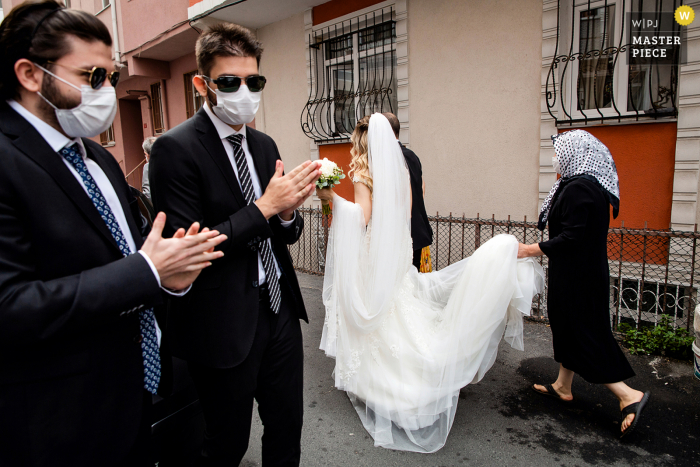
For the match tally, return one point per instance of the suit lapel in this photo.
(209, 138)
(117, 182)
(261, 160)
(31, 143)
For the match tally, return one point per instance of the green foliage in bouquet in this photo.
(660, 340)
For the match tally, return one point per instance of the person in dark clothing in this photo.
(239, 328)
(421, 232)
(579, 279)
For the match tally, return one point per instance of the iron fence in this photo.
(652, 272)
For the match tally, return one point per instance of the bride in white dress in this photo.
(405, 343)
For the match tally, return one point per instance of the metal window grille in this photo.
(353, 74)
(593, 76)
(193, 101)
(107, 136)
(157, 109)
(655, 267)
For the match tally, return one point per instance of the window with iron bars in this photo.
(157, 109)
(353, 73)
(594, 77)
(107, 137)
(193, 101)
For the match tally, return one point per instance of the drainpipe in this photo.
(115, 32)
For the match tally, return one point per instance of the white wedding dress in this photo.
(405, 343)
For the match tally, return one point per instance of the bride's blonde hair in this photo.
(359, 165)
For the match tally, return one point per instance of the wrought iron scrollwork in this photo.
(568, 109)
(352, 72)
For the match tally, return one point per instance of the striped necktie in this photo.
(147, 319)
(264, 247)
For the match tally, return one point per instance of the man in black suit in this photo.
(77, 281)
(421, 232)
(239, 326)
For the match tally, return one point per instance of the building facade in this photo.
(478, 86)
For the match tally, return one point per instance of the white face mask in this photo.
(95, 114)
(555, 164)
(236, 108)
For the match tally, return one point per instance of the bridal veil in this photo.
(405, 343)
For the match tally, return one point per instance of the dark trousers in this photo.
(416, 258)
(141, 454)
(272, 374)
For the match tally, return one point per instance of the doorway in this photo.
(132, 138)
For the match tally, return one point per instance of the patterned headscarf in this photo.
(582, 155)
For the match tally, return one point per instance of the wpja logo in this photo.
(684, 15)
(657, 36)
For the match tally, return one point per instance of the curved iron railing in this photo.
(352, 70)
(562, 111)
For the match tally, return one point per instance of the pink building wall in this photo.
(143, 20)
(129, 126)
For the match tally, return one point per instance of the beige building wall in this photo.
(284, 65)
(474, 93)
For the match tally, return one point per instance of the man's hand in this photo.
(285, 193)
(180, 259)
(185, 277)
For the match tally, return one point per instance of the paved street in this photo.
(499, 421)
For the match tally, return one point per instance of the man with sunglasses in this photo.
(238, 328)
(79, 344)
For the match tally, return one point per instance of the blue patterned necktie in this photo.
(268, 259)
(147, 321)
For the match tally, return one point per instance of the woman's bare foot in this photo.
(631, 398)
(563, 392)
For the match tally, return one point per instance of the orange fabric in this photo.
(194, 2)
(426, 261)
(337, 8)
(340, 154)
(645, 158)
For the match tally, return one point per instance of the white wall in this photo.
(284, 65)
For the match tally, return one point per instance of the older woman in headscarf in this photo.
(578, 213)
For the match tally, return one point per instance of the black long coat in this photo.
(579, 284)
(421, 232)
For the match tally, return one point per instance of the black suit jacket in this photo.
(421, 232)
(71, 373)
(192, 180)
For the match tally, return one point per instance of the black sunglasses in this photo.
(233, 83)
(97, 75)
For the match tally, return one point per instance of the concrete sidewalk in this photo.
(500, 421)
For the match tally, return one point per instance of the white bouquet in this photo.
(331, 175)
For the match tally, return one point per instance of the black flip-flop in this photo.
(550, 392)
(636, 409)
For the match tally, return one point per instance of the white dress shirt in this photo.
(224, 131)
(58, 141)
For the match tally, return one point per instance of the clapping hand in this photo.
(180, 259)
(285, 193)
